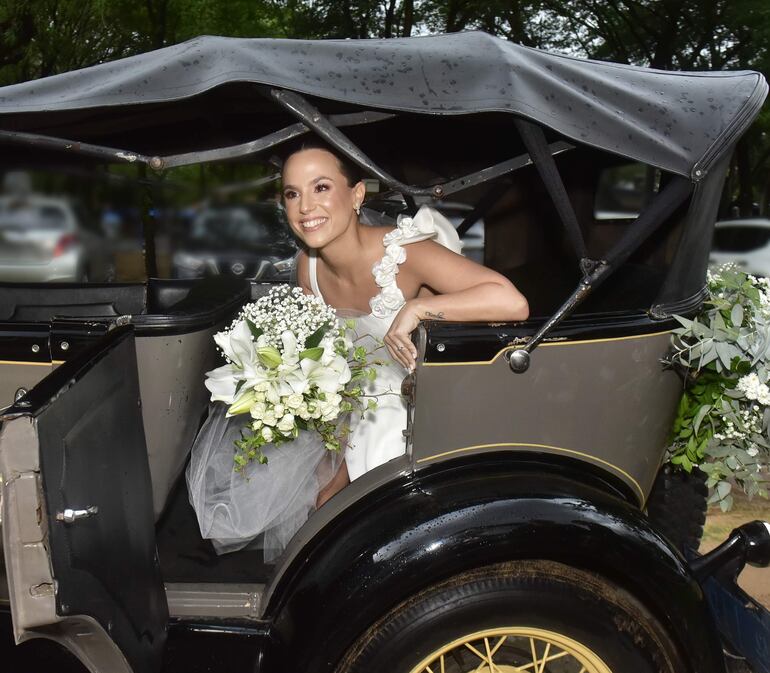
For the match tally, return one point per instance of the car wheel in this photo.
(522, 616)
(677, 507)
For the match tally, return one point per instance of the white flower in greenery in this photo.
(269, 418)
(286, 424)
(267, 434)
(753, 389)
(293, 401)
(258, 410)
(222, 383)
(329, 378)
(752, 451)
(237, 345)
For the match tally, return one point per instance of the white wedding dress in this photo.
(266, 504)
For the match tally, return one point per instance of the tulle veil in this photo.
(265, 504)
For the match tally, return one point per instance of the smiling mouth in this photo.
(312, 225)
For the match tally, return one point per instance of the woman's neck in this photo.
(345, 254)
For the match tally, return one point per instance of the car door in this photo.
(77, 517)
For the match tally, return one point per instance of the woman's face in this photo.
(319, 203)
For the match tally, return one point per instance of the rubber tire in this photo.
(677, 507)
(541, 594)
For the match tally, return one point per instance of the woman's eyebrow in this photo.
(315, 180)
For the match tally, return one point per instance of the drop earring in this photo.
(357, 208)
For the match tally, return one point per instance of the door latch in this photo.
(72, 515)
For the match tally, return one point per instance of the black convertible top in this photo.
(680, 122)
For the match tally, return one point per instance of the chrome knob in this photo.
(73, 515)
(518, 361)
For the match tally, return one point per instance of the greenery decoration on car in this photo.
(723, 416)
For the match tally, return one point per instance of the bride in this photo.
(390, 279)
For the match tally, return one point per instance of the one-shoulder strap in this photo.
(312, 269)
(427, 223)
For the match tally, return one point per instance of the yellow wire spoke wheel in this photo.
(510, 650)
(524, 616)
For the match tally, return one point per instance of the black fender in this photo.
(427, 526)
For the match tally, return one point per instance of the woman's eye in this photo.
(321, 187)
(289, 194)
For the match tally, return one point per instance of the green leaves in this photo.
(256, 332)
(717, 427)
(315, 338)
(312, 353)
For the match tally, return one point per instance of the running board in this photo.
(195, 600)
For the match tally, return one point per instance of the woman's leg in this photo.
(338, 482)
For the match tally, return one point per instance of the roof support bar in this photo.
(271, 140)
(72, 146)
(482, 207)
(535, 142)
(313, 118)
(159, 163)
(653, 216)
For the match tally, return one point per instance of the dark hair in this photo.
(353, 174)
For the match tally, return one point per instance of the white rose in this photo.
(286, 424)
(303, 412)
(294, 401)
(269, 418)
(279, 410)
(267, 434)
(392, 297)
(256, 425)
(258, 409)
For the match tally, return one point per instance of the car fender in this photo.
(426, 527)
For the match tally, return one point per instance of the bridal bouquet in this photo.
(723, 423)
(291, 366)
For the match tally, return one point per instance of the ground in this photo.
(754, 581)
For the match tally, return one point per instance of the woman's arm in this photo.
(466, 291)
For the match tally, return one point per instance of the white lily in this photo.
(237, 345)
(222, 382)
(329, 378)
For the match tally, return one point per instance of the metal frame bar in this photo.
(159, 163)
(310, 119)
(654, 214)
(313, 118)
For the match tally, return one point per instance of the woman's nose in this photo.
(305, 203)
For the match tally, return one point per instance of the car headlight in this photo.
(284, 265)
(188, 261)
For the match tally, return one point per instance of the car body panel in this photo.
(467, 513)
(603, 382)
(78, 525)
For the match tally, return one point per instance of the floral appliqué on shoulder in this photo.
(408, 230)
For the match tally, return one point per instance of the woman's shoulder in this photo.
(302, 270)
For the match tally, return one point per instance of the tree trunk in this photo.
(406, 29)
(390, 12)
(745, 191)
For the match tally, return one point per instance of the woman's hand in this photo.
(399, 336)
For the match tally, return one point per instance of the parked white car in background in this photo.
(44, 239)
(745, 242)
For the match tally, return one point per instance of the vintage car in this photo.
(521, 530)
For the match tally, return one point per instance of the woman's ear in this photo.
(359, 192)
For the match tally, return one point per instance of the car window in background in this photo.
(741, 238)
(624, 190)
(250, 240)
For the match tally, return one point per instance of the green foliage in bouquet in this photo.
(722, 422)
